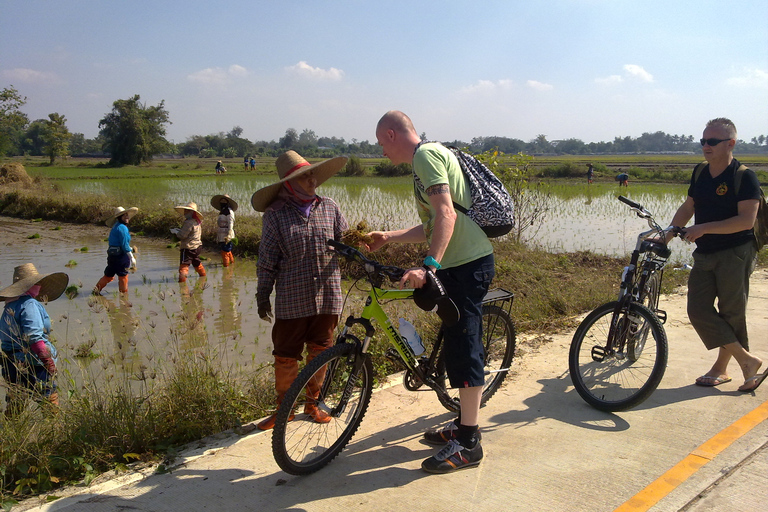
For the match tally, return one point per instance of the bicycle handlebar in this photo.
(630, 203)
(645, 214)
(371, 266)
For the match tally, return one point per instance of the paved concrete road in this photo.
(546, 450)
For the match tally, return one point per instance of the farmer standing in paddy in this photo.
(294, 260)
(120, 258)
(190, 243)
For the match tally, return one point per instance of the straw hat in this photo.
(110, 221)
(189, 206)
(292, 165)
(26, 276)
(216, 202)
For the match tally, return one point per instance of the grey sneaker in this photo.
(441, 436)
(453, 456)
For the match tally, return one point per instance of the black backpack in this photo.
(761, 220)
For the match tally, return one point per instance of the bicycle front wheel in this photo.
(302, 446)
(617, 359)
(499, 343)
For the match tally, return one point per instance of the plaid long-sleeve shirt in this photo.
(293, 260)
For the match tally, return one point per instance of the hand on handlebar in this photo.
(413, 278)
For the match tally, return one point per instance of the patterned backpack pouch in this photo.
(492, 207)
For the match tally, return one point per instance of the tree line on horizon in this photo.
(134, 132)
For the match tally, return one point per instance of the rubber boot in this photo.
(200, 270)
(122, 283)
(231, 258)
(101, 284)
(286, 370)
(183, 271)
(313, 387)
(224, 258)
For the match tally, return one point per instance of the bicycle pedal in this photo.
(661, 315)
(598, 353)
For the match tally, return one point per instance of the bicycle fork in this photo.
(357, 366)
(623, 325)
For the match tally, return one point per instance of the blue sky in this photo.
(588, 69)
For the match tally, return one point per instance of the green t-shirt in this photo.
(434, 164)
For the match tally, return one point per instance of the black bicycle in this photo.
(344, 373)
(619, 352)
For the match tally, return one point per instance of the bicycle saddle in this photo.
(432, 296)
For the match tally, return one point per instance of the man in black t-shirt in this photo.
(724, 257)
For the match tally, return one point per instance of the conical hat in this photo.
(292, 165)
(26, 276)
(216, 202)
(110, 221)
(189, 206)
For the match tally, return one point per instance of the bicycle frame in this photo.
(374, 311)
(634, 277)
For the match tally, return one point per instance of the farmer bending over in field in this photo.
(28, 356)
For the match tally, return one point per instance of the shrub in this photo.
(388, 169)
(354, 167)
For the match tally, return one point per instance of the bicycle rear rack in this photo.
(499, 296)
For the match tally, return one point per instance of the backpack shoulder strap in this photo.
(697, 171)
(737, 178)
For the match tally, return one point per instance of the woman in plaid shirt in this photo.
(293, 260)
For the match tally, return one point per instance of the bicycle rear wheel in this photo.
(611, 378)
(499, 342)
(302, 446)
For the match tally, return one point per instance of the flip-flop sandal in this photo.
(709, 381)
(758, 379)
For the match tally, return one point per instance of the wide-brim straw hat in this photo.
(292, 165)
(118, 212)
(26, 276)
(216, 202)
(189, 206)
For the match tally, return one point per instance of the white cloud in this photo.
(485, 86)
(539, 86)
(305, 70)
(609, 80)
(639, 72)
(217, 76)
(30, 76)
(630, 70)
(752, 77)
(236, 70)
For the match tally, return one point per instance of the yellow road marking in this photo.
(678, 474)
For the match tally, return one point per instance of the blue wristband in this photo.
(431, 262)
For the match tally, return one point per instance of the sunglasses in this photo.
(712, 142)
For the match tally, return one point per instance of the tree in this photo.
(12, 119)
(32, 141)
(290, 139)
(307, 139)
(134, 132)
(56, 136)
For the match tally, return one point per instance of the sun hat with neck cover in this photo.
(291, 165)
(26, 276)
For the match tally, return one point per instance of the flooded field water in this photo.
(135, 334)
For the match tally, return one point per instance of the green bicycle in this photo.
(344, 373)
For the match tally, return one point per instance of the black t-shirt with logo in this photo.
(715, 199)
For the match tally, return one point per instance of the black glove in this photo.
(265, 312)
